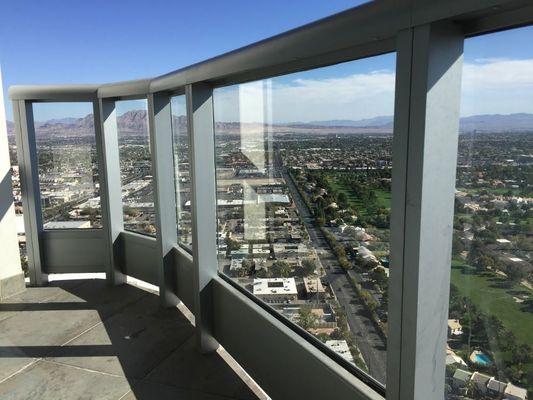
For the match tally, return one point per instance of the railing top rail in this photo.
(67, 92)
(132, 88)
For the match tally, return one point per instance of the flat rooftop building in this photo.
(341, 347)
(313, 286)
(67, 224)
(275, 289)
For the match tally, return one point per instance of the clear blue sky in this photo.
(60, 41)
(52, 41)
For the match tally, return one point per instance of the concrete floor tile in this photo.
(130, 343)
(27, 299)
(32, 334)
(45, 328)
(9, 364)
(101, 297)
(85, 340)
(35, 322)
(50, 381)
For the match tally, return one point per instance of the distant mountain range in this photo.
(498, 123)
(134, 122)
(376, 122)
(484, 123)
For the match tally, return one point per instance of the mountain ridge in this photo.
(135, 122)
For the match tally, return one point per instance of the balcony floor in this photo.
(83, 340)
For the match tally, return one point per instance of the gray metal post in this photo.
(110, 186)
(160, 126)
(204, 221)
(29, 181)
(425, 146)
(398, 186)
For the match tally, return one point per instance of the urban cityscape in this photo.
(304, 200)
(303, 225)
(308, 232)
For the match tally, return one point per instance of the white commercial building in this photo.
(341, 348)
(275, 289)
(67, 225)
(287, 249)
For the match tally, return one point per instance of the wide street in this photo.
(369, 341)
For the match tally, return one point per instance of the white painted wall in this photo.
(9, 250)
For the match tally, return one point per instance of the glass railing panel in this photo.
(182, 171)
(303, 169)
(136, 166)
(490, 326)
(67, 165)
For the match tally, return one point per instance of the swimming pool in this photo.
(482, 359)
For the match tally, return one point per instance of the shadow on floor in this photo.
(83, 340)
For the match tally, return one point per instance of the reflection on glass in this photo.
(303, 168)
(490, 326)
(182, 175)
(135, 166)
(68, 171)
